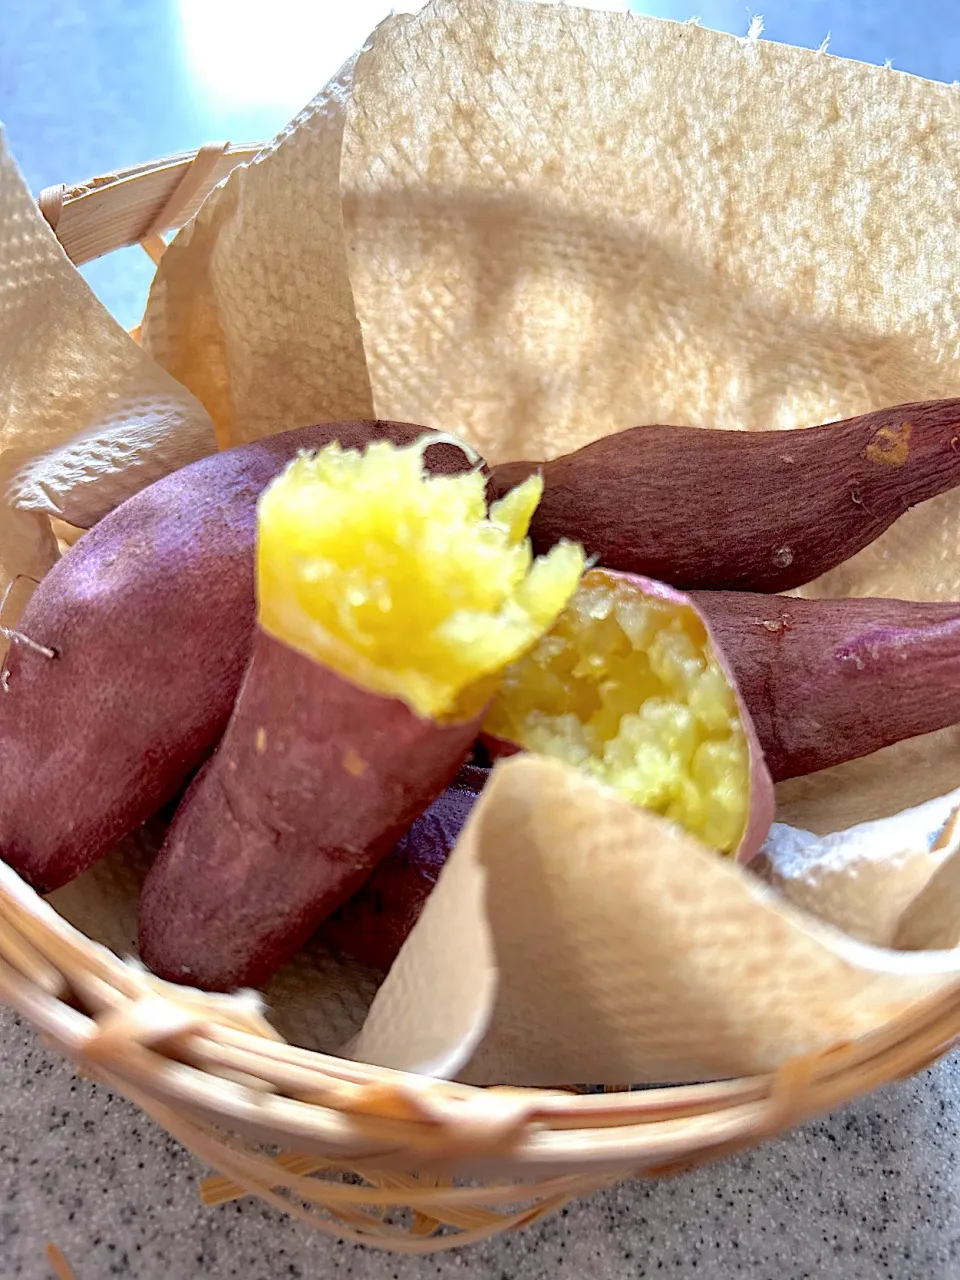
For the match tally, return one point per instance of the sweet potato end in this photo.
(401, 581)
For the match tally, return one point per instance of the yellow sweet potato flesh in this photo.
(400, 580)
(626, 686)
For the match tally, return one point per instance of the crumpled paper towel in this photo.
(87, 417)
(865, 878)
(623, 950)
(252, 308)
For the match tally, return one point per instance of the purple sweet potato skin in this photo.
(373, 925)
(831, 680)
(151, 616)
(751, 511)
(313, 783)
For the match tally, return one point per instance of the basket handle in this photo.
(135, 205)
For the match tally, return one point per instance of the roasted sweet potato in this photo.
(388, 603)
(149, 618)
(830, 680)
(625, 685)
(630, 686)
(753, 511)
(373, 925)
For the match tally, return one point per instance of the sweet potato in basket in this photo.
(389, 601)
(751, 511)
(138, 639)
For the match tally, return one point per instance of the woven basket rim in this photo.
(162, 1040)
(204, 1064)
(138, 203)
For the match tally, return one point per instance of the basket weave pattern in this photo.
(436, 1164)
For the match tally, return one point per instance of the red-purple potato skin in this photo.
(373, 925)
(150, 617)
(313, 783)
(742, 510)
(831, 680)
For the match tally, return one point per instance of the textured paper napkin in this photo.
(564, 222)
(932, 919)
(624, 951)
(864, 878)
(532, 226)
(252, 307)
(87, 417)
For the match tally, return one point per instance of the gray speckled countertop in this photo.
(871, 1193)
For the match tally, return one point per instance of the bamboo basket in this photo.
(397, 1161)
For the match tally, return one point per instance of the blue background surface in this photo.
(87, 86)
